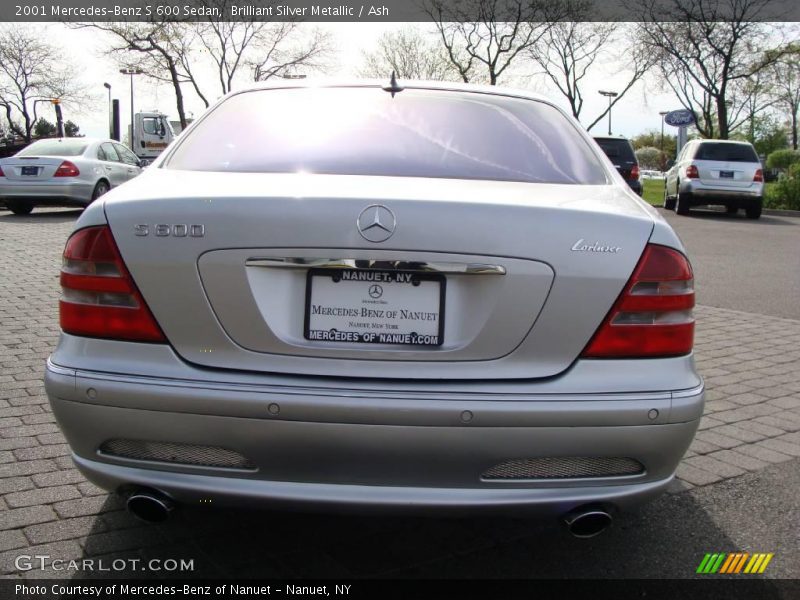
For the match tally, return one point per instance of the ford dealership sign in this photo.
(679, 118)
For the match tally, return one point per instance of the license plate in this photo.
(726, 174)
(30, 171)
(375, 307)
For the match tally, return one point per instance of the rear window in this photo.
(55, 147)
(617, 149)
(365, 131)
(726, 152)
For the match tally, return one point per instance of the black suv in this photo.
(620, 151)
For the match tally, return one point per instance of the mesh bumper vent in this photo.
(573, 467)
(185, 454)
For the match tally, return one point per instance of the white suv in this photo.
(716, 172)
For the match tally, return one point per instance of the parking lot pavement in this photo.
(743, 264)
(743, 462)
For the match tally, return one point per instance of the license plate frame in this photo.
(29, 171)
(726, 174)
(379, 338)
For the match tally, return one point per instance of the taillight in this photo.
(758, 177)
(635, 173)
(67, 169)
(1, 172)
(99, 297)
(653, 315)
(692, 172)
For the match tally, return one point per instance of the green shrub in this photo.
(783, 159)
(784, 193)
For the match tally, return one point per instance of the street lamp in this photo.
(609, 95)
(663, 114)
(108, 87)
(131, 72)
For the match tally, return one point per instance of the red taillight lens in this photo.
(67, 169)
(99, 297)
(1, 172)
(692, 172)
(635, 173)
(653, 315)
(758, 177)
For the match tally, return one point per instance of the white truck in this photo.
(152, 133)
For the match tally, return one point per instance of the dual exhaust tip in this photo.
(150, 506)
(154, 507)
(587, 522)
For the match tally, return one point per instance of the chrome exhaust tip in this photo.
(587, 522)
(150, 506)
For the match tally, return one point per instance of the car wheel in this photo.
(753, 210)
(669, 202)
(19, 208)
(101, 188)
(681, 201)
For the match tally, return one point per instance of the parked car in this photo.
(620, 152)
(418, 297)
(716, 172)
(64, 172)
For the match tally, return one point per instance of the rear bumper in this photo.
(704, 192)
(41, 193)
(335, 448)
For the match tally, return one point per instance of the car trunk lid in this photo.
(521, 274)
(30, 168)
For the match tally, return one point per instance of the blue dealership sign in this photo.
(679, 118)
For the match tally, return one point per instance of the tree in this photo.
(287, 48)
(31, 73)
(786, 86)
(569, 49)
(482, 38)
(652, 138)
(72, 130)
(649, 157)
(266, 48)
(706, 50)
(409, 54)
(43, 128)
(157, 47)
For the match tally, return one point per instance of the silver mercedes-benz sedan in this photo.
(370, 295)
(64, 172)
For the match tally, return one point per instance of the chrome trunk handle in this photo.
(447, 268)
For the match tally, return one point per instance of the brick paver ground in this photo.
(750, 363)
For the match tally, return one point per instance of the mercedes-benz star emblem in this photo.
(375, 291)
(376, 223)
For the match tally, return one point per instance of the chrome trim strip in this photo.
(447, 268)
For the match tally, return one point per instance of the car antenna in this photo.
(393, 86)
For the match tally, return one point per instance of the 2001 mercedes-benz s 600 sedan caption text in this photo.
(375, 295)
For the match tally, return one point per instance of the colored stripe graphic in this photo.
(734, 562)
(764, 564)
(715, 567)
(740, 564)
(703, 563)
(728, 562)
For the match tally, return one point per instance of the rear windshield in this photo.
(726, 152)
(54, 147)
(365, 131)
(617, 149)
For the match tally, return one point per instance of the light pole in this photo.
(108, 87)
(663, 114)
(609, 95)
(131, 72)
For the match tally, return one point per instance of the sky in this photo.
(87, 49)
